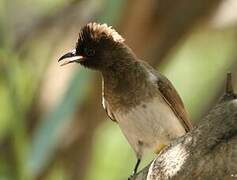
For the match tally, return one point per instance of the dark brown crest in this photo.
(92, 33)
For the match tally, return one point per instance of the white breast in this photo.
(152, 123)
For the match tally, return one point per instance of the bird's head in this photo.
(98, 46)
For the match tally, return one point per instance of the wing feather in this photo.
(107, 109)
(171, 96)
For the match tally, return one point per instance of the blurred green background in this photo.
(52, 124)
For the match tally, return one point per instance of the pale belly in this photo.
(149, 125)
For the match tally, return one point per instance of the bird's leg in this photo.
(135, 168)
(139, 157)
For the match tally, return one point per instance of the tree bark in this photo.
(209, 151)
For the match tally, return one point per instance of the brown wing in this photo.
(107, 109)
(171, 96)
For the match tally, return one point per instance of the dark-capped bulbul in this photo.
(142, 101)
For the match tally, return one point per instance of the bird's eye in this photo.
(89, 52)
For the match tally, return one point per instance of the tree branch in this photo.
(209, 151)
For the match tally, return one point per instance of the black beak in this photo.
(70, 57)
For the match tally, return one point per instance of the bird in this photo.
(142, 101)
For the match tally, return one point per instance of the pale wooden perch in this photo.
(209, 151)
